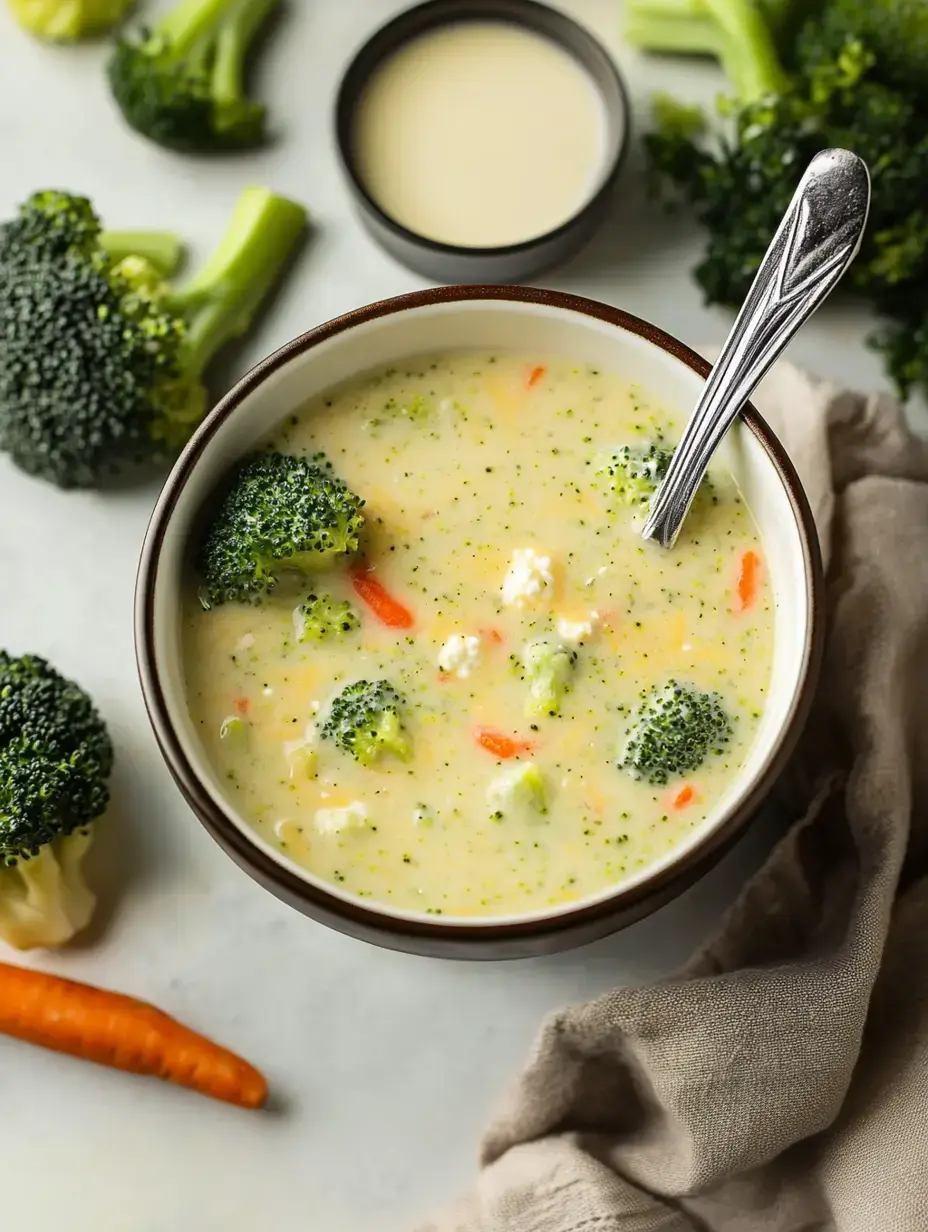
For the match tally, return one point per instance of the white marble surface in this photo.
(386, 1066)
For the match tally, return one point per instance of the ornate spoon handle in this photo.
(815, 243)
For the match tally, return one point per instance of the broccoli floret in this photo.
(280, 513)
(365, 720)
(673, 731)
(858, 80)
(181, 83)
(321, 617)
(548, 668)
(66, 21)
(519, 789)
(101, 359)
(55, 759)
(633, 473)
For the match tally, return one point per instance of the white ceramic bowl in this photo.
(478, 318)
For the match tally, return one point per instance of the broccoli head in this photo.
(66, 21)
(632, 473)
(280, 513)
(101, 359)
(320, 617)
(365, 720)
(548, 668)
(519, 789)
(181, 83)
(55, 759)
(673, 731)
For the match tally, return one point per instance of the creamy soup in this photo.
(500, 521)
(480, 134)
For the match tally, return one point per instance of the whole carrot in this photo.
(119, 1031)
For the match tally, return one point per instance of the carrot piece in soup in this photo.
(388, 609)
(499, 744)
(748, 580)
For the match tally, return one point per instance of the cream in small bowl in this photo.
(482, 138)
(486, 433)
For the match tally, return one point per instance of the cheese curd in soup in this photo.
(495, 698)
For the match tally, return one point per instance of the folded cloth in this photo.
(780, 1082)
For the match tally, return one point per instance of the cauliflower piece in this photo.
(352, 816)
(576, 632)
(528, 577)
(460, 654)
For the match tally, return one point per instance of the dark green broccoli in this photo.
(548, 668)
(181, 83)
(280, 513)
(101, 359)
(55, 759)
(320, 616)
(673, 731)
(858, 79)
(66, 21)
(365, 720)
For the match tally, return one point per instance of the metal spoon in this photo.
(815, 243)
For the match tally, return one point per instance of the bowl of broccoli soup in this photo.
(408, 657)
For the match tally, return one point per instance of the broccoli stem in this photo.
(221, 300)
(688, 36)
(232, 44)
(163, 250)
(190, 21)
(734, 31)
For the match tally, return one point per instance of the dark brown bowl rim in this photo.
(535, 16)
(219, 821)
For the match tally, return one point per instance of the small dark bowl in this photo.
(511, 262)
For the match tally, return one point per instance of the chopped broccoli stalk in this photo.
(519, 789)
(55, 759)
(101, 359)
(233, 731)
(67, 21)
(181, 84)
(549, 669)
(280, 513)
(365, 720)
(321, 617)
(673, 731)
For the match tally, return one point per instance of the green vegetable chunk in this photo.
(519, 789)
(365, 720)
(66, 21)
(321, 617)
(280, 513)
(55, 759)
(857, 77)
(102, 359)
(549, 669)
(633, 473)
(181, 84)
(674, 730)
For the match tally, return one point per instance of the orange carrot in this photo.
(242, 704)
(388, 610)
(501, 745)
(686, 795)
(494, 636)
(748, 579)
(535, 376)
(111, 1029)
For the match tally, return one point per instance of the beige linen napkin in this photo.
(780, 1083)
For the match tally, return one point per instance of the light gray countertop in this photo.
(387, 1066)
